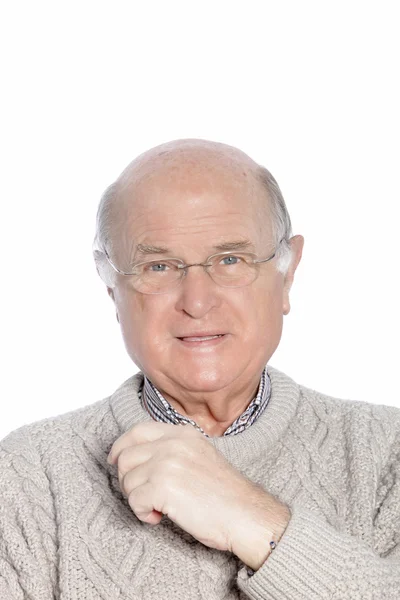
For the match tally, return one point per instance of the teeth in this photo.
(201, 339)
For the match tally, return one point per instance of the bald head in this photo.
(193, 156)
(194, 166)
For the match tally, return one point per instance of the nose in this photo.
(197, 293)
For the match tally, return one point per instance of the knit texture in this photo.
(67, 532)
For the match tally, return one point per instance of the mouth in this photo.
(202, 341)
(201, 338)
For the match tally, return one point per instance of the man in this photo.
(209, 474)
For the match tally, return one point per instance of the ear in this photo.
(296, 244)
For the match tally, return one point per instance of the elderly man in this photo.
(209, 474)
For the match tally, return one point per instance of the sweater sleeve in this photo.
(314, 561)
(28, 537)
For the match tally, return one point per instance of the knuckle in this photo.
(123, 460)
(133, 501)
(125, 484)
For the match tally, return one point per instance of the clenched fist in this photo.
(174, 470)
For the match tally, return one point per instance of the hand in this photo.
(174, 470)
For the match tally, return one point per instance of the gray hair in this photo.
(281, 227)
(281, 223)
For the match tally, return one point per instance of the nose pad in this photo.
(204, 269)
(195, 282)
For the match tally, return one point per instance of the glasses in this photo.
(227, 269)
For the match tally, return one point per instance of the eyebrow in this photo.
(234, 245)
(148, 249)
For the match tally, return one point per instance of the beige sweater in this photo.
(66, 531)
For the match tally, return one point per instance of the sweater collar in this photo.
(259, 438)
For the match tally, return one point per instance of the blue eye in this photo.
(158, 268)
(230, 260)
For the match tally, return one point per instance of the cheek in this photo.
(270, 308)
(261, 309)
(143, 321)
(269, 324)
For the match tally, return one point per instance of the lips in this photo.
(201, 338)
(202, 341)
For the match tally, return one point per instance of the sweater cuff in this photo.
(307, 564)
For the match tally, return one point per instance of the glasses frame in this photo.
(183, 266)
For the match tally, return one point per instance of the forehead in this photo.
(192, 203)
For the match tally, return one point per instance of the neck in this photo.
(213, 412)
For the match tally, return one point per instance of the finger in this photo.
(142, 503)
(132, 457)
(134, 478)
(139, 434)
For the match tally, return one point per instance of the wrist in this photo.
(254, 547)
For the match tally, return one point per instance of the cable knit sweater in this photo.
(67, 532)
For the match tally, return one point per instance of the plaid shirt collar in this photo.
(161, 410)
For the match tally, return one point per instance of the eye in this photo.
(158, 267)
(230, 260)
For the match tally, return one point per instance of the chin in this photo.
(210, 380)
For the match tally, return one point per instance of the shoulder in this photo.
(95, 421)
(355, 425)
(350, 409)
(34, 439)
(363, 427)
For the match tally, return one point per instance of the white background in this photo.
(308, 89)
